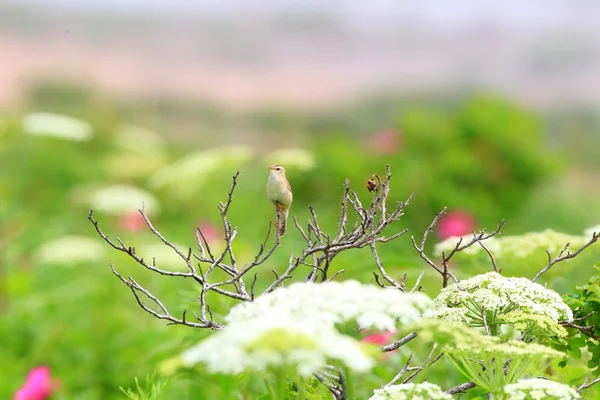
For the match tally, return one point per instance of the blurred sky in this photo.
(305, 53)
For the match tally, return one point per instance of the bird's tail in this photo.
(281, 222)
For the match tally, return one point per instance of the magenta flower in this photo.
(38, 385)
(456, 223)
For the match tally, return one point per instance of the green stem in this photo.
(347, 380)
(301, 393)
(280, 377)
(277, 385)
(493, 329)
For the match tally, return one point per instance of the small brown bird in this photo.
(279, 192)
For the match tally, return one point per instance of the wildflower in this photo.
(58, 126)
(332, 303)
(540, 389)
(38, 385)
(210, 232)
(119, 199)
(298, 158)
(192, 171)
(486, 360)
(133, 138)
(455, 224)
(411, 391)
(388, 141)
(519, 246)
(380, 338)
(497, 295)
(70, 250)
(275, 341)
(535, 325)
(132, 221)
(163, 256)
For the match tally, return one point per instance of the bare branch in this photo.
(444, 270)
(334, 275)
(586, 385)
(586, 330)
(399, 343)
(382, 270)
(560, 257)
(461, 388)
(417, 282)
(164, 313)
(492, 259)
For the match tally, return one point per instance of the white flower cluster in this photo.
(58, 126)
(296, 326)
(276, 341)
(192, 171)
(332, 303)
(292, 158)
(70, 251)
(540, 389)
(496, 293)
(118, 199)
(411, 391)
(520, 246)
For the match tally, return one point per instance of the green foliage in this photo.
(586, 310)
(482, 154)
(152, 390)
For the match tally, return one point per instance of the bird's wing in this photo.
(287, 183)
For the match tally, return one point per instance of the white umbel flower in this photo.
(331, 303)
(276, 341)
(411, 391)
(119, 199)
(496, 292)
(70, 251)
(57, 125)
(190, 172)
(518, 246)
(540, 389)
(292, 158)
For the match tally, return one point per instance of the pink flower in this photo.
(132, 221)
(380, 339)
(210, 232)
(456, 223)
(388, 141)
(38, 385)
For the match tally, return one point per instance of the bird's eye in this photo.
(278, 168)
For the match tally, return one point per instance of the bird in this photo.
(279, 192)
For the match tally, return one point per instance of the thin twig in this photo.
(461, 388)
(560, 257)
(586, 385)
(396, 345)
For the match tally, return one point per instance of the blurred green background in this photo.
(483, 149)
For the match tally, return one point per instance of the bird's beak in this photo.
(272, 168)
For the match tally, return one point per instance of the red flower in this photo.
(38, 385)
(456, 223)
